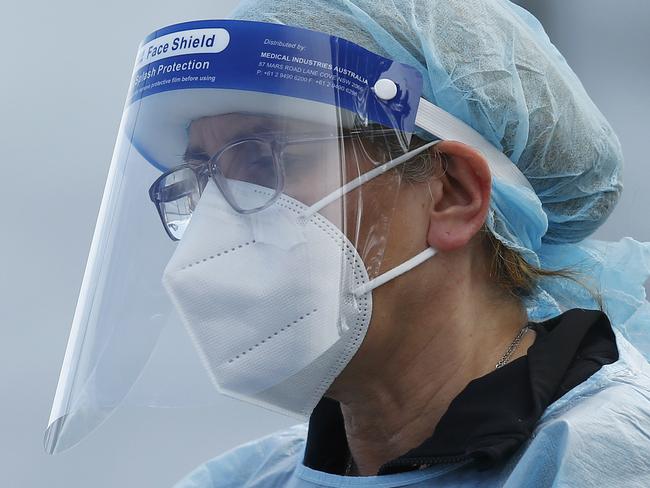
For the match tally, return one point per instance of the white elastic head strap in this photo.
(444, 126)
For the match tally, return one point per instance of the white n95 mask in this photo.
(266, 299)
(277, 302)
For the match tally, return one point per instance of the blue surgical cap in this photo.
(490, 64)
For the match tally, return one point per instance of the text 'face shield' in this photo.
(238, 219)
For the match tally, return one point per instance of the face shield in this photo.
(244, 221)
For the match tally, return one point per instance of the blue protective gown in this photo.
(597, 434)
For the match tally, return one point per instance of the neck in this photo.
(395, 390)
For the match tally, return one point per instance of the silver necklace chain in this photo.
(349, 466)
(512, 347)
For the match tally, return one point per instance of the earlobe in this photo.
(461, 197)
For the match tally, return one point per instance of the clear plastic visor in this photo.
(128, 342)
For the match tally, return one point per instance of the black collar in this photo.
(494, 414)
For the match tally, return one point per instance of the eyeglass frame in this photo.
(211, 169)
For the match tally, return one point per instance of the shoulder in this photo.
(599, 432)
(268, 461)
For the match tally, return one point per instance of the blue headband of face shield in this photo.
(307, 67)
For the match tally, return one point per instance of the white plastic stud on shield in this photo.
(385, 89)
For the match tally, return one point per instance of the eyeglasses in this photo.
(257, 160)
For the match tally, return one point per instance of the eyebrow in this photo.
(195, 154)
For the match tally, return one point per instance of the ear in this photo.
(461, 197)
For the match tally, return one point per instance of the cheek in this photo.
(369, 215)
(382, 218)
(409, 225)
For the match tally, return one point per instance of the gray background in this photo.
(64, 75)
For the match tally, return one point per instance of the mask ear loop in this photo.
(364, 178)
(391, 274)
(355, 183)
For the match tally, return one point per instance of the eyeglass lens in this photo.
(178, 194)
